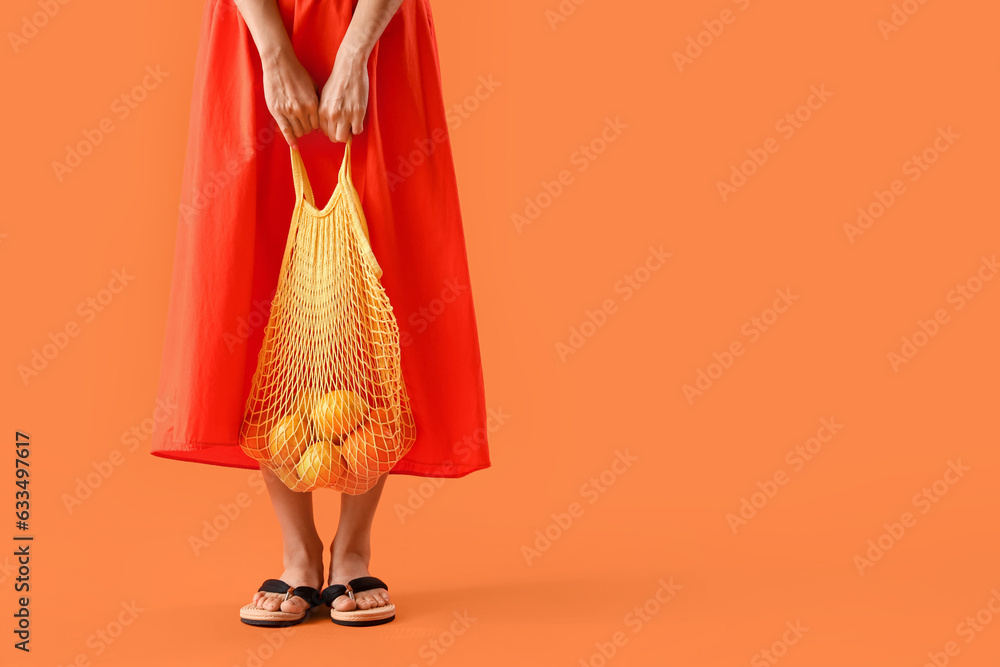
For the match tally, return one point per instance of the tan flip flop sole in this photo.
(275, 619)
(374, 616)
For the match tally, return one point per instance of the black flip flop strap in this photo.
(307, 593)
(331, 593)
(274, 586)
(366, 584)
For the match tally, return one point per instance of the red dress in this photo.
(236, 204)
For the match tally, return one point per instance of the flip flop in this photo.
(253, 615)
(358, 617)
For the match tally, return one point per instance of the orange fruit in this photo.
(288, 475)
(337, 413)
(353, 484)
(306, 401)
(254, 438)
(371, 449)
(288, 439)
(320, 464)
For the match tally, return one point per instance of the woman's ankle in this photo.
(354, 549)
(306, 553)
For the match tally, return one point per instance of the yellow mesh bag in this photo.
(328, 406)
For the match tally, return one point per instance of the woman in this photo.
(280, 75)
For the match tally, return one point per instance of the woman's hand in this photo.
(344, 98)
(291, 97)
(290, 92)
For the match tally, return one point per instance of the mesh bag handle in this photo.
(303, 189)
(345, 189)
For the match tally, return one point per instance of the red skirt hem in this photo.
(202, 452)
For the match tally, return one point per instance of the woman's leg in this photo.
(303, 548)
(350, 552)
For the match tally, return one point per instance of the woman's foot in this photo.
(351, 550)
(347, 564)
(303, 567)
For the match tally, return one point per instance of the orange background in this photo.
(662, 519)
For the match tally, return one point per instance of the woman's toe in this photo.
(293, 605)
(344, 603)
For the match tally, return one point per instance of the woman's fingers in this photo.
(330, 124)
(324, 123)
(343, 130)
(307, 112)
(298, 119)
(296, 123)
(338, 126)
(286, 130)
(312, 121)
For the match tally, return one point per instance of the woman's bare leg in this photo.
(350, 552)
(303, 548)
